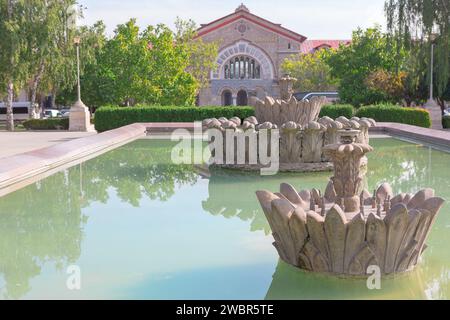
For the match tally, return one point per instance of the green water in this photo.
(140, 227)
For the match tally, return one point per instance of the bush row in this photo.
(391, 113)
(107, 118)
(336, 110)
(47, 124)
(111, 117)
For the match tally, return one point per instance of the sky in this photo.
(315, 19)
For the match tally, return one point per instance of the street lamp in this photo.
(77, 41)
(431, 105)
(79, 116)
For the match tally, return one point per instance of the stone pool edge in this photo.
(438, 138)
(19, 170)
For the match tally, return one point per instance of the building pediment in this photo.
(242, 13)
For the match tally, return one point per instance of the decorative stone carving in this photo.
(286, 84)
(312, 142)
(300, 148)
(281, 111)
(344, 232)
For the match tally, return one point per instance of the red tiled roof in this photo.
(309, 46)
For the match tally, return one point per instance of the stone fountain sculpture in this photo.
(300, 147)
(347, 229)
(288, 108)
(302, 135)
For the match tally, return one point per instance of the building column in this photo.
(235, 100)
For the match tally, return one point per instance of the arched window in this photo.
(242, 67)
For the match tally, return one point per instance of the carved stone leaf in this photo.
(314, 224)
(297, 229)
(290, 193)
(354, 239)
(396, 222)
(419, 198)
(318, 262)
(335, 232)
(376, 238)
(408, 243)
(362, 259)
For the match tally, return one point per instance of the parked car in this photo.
(447, 112)
(65, 113)
(51, 113)
(306, 96)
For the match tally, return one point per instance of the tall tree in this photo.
(311, 70)
(416, 24)
(369, 51)
(202, 55)
(13, 47)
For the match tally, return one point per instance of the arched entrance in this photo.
(227, 98)
(242, 98)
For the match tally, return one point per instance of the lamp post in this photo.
(79, 116)
(431, 105)
(77, 42)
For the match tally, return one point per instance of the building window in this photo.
(242, 67)
(227, 98)
(289, 45)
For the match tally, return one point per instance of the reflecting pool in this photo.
(140, 227)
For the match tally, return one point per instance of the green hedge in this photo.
(107, 118)
(446, 122)
(336, 110)
(391, 113)
(47, 124)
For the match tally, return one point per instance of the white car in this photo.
(51, 113)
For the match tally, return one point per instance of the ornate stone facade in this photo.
(251, 51)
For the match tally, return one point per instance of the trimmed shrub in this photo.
(47, 124)
(446, 122)
(392, 113)
(107, 118)
(336, 110)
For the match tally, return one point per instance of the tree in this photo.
(137, 67)
(13, 65)
(311, 70)
(369, 51)
(415, 25)
(50, 23)
(389, 84)
(202, 55)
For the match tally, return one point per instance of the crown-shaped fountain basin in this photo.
(347, 229)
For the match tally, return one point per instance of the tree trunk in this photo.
(441, 103)
(9, 107)
(32, 114)
(53, 101)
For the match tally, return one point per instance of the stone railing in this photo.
(298, 145)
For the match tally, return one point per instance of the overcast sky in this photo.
(315, 19)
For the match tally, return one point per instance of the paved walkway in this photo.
(12, 143)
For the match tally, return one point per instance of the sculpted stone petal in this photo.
(265, 199)
(335, 231)
(419, 198)
(396, 224)
(290, 193)
(354, 239)
(384, 191)
(433, 204)
(236, 120)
